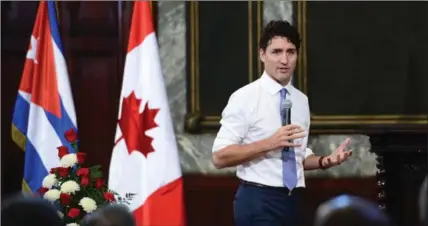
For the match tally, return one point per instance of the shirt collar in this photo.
(272, 86)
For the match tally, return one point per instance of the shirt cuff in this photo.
(308, 152)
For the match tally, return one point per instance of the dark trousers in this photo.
(265, 206)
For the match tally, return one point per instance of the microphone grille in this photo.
(286, 104)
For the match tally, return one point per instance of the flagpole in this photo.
(120, 39)
(57, 11)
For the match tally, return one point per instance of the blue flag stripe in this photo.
(61, 125)
(21, 112)
(34, 169)
(54, 28)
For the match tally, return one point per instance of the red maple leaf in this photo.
(135, 124)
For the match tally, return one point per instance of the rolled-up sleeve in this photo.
(308, 152)
(234, 125)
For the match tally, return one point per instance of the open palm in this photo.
(339, 155)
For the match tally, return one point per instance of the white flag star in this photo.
(31, 54)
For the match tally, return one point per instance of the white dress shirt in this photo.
(252, 113)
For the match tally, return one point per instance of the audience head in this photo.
(110, 215)
(350, 211)
(423, 203)
(29, 211)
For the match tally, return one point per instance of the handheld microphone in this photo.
(286, 107)
(286, 120)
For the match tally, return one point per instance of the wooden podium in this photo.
(402, 167)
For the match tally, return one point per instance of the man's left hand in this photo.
(338, 156)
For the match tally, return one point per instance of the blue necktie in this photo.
(289, 171)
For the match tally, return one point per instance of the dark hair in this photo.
(110, 215)
(22, 210)
(280, 28)
(350, 210)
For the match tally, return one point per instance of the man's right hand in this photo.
(284, 135)
(235, 154)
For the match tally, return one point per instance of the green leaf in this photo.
(96, 174)
(95, 168)
(75, 147)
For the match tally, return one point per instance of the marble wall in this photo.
(195, 150)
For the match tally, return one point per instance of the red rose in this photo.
(81, 157)
(62, 171)
(53, 170)
(70, 135)
(84, 181)
(62, 150)
(43, 190)
(83, 172)
(65, 199)
(109, 196)
(99, 183)
(73, 213)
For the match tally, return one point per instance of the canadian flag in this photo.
(145, 158)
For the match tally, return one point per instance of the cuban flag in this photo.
(44, 107)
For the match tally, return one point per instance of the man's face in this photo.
(279, 59)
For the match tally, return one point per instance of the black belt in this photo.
(296, 190)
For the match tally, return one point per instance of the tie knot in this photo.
(283, 92)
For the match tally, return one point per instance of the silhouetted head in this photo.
(348, 210)
(29, 211)
(423, 203)
(110, 215)
(279, 47)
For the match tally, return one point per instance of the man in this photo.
(270, 158)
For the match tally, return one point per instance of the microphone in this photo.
(286, 106)
(286, 120)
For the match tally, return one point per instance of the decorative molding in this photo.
(197, 122)
(345, 123)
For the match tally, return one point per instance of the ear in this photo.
(262, 55)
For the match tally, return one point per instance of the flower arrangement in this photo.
(74, 189)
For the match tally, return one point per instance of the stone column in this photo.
(277, 10)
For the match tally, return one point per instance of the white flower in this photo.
(68, 160)
(49, 181)
(52, 195)
(88, 204)
(70, 187)
(72, 224)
